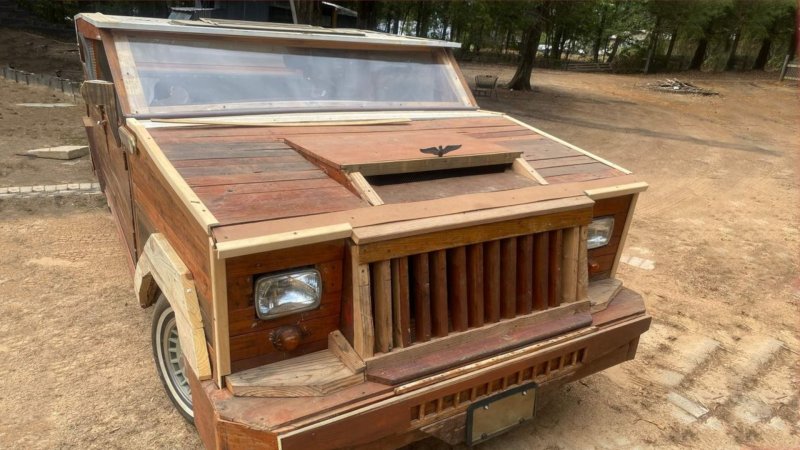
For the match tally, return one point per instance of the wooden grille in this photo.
(430, 295)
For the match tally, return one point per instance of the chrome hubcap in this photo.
(171, 349)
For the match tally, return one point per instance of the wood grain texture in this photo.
(583, 265)
(363, 328)
(555, 249)
(475, 281)
(421, 290)
(438, 274)
(491, 282)
(339, 346)
(569, 264)
(401, 303)
(457, 285)
(314, 374)
(524, 281)
(382, 304)
(508, 277)
(541, 270)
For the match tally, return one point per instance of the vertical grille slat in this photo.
(427, 295)
(401, 303)
(491, 283)
(475, 284)
(525, 274)
(508, 271)
(541, 243)
(422, 297)
(438, 270)
(457, 283)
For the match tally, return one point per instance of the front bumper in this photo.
(380, 416)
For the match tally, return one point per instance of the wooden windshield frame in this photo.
(134, 104)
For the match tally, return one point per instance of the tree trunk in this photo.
(731, 64)
(763, 54)
(672, 40)
(653, 44)
(367, 15)
(699, 54)
(599, 37)
(530, 44)
(793, 45)
(614, 48)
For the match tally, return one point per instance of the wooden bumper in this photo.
(381, 416)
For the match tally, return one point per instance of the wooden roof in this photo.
(212, 27)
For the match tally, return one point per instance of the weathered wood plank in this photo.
(475, 284)
(382, 304)
(438, 269)
(525, 274)
(508, 276)
(583, 264)
(491, 283)
(541, 244)
(338, 345)
(401, 300)
(569, 264)
(556, 246)
(457, 284)
(422, 297)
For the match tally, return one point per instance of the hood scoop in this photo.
(387, 153)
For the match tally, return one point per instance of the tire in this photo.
(169, 360)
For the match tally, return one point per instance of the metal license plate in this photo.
(492, 416)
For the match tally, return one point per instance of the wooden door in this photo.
(109, 158)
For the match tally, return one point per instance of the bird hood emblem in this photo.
(440, 151)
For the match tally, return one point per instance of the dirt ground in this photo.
(718, 227)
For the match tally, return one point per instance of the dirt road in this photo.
(713, 247)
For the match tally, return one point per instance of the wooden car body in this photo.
(446, 279)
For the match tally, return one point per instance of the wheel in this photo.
(169, 359)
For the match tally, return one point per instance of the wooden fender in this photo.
(159, 267)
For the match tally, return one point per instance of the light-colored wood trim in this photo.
(363, 328)
(617, 191)
(459, 78)
(574, 147)
(311, 375)
(160, 264)
(280, 241)
(130, 78)
(338, 344)
(583, 264)
(128, 140)
(521, 167)
(192, 202)
(382, 301)
(444, 376)
(219, 290)
(569, 264)
(364, 189)
(269, 123)
(601, 292)
(624, 235)
(320, 118)
(375, 233)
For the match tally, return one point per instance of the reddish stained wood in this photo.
(525, 274)
(246, 178)
(554, 277)
(540, 270)
(382, 304)
(401, 303)
(457, 284)
(475, 284)
(438, 268)
(491, 284)
(508, 274)
(422, 297)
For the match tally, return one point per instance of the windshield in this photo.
(171, 76)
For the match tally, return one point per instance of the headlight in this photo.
(600, 232)
(287, 293)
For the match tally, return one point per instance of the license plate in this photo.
(492, 416)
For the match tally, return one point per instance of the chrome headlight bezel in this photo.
(287, 292)
(600, 231)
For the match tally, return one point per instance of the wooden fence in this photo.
(67, 86)
(789, 70)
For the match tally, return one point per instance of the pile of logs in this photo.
(679, 87)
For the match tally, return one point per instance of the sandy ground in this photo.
(717, 370)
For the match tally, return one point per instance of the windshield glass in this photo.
(170, 76)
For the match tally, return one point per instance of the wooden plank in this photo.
(314, 374)
(578, 149)
(583, 265)
(524, 274)
(574, 169)
(338, 345)
(219, 301)
(439, 240)
(422, 297)
(475, 284)
(385, 214)
(253, 178)
(617, 190)
(541, 270)
(508, 277)
(563, 161)
(439, 316)
(554, 258)
(241, 123)
(603, 291)
(457, 288)
(441, 354)
(569, 264)
(364, 189)
(491, 283)
(382, 304)
(401, 301)
(363, 328)
(522, 167)
(281, 241)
